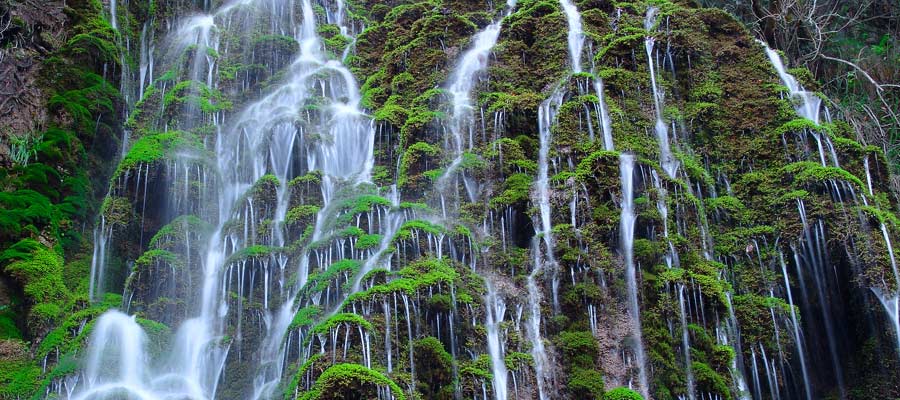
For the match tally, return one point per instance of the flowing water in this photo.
(308, 125)
(462, 122)
(809, 103)
(666, 159)
(261, 139)
(542, 247)
(575, 33)
(605, 121)
(686, 345)
(795, 328)
(626, 233)
(495, 311)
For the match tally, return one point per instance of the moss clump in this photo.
(622, 393)
(18, 375)
(516, 189)
(196, 94)
(301, 213)
(586, 384)
(154, 147)
(321, 281)
(415, 161)
(710, 381)
(435, 374)
(416, 276)
(341, 319)
(368, 241)
(305, 316)
(41, 278)
(255, 251)
(580, 348)
(351, 381)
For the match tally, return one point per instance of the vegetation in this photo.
(387, 272)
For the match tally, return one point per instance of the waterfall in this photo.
(462, 80)
(542, 247)
(666, 159)
(495, 309)
(686, 344)
(732, 328)
(605, 122)
(626, 232)
(113, 17)
(116, 358)
(812, 247)
(259, 139)
(575, 33)
(372, 216)
(890, 301)
(809, 104)
(102, 239)
(796, 329)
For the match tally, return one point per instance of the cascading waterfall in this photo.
(731, 335)
(686, 344)
(605, 122)
(102, 238)
(809, 104)
(666, 159)
(463, 79)
(890, 301)
(575, 33)
(626, 233)
(542, 246)
(297, 235)
(267, 129)
(810, 254)
(495, 310)
(795, 327)
(117, 360)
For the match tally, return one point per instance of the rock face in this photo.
(31, 30)
(435, 199)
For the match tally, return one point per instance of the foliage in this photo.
(343, 381)
(621, 393)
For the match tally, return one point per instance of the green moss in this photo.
(25, 211)
(41, 280)
(341, 319)
(412, 278)
(301, 213)
(8, 328)
(155, 146)
(368, 241)
(477, 368)
(405, 231)
(197, 94)
(580, 348)
(350, 381)
(622, 393)
(255, 251)
(178, 229)
(413, 154)
(799, 125)
(586, 384)
(516, 361)
(516, 189)
(19, 377)
(93, 96)
(321, 281)
(806, 172)
(306, 316)
(710, 381)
